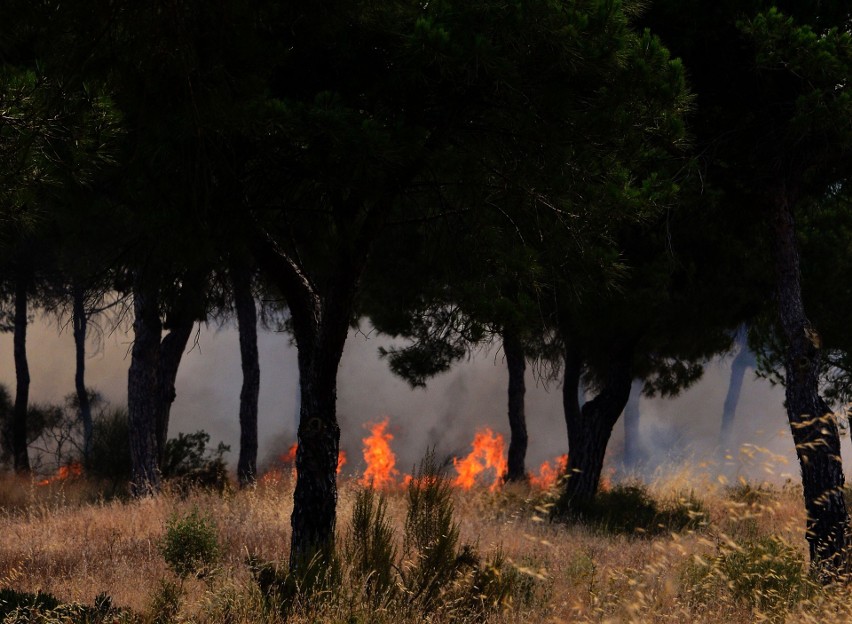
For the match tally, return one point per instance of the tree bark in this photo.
(80, 323)
(22, 376)
(142, 393)
(590, 427)
(516, 363)
(633, 453)
(170, 355)
(812, 422)
(247, 322)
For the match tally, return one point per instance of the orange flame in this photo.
(488, 453)
(289, 459)
(381, 461)
(548, 474)
(74, 469)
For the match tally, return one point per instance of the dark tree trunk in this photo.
(80, 323)
(142, 393)
(516, 363)
(315, 498)
(590, 427)
(812, 423)
(171, 352)
(20, 455)
(633, 453)
(741, 363)
(247, 321)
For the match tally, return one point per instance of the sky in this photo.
(445, 415)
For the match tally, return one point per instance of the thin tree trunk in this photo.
(142, 395)
(812, 423)
(516, 363)
(22, 375)
(170, 355)
(632, 435)
(740, 365)
(80, 323)
(590, 427)
(247, 321)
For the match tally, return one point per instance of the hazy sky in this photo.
(445, 415)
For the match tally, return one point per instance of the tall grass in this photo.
(497, 557)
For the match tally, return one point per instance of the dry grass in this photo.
(61, 539)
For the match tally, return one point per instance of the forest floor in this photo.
(739, 557)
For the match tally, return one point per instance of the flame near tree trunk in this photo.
(74, 469)
(488, 454)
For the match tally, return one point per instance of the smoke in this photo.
(445, 415)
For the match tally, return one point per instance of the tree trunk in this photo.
(590, 427)
(80, 323)
(247, 321)
(741, 363)
(315, 498)
(633, 453)
(516, 363)
(142, 395)
(170, 354)
(812, 423)
(22, 375)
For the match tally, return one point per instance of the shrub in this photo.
(630, 508)
(190, 545)
(24, 602)
(370, 548)
(109, 458)
(190, 463)
(767, 574)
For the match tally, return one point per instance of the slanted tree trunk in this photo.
(247, 322)
(590, 427)
(321, 321)
(516, 363)
(170, 355)
(18, 428)
(740, 365)
(812, 423)
(142, 393)
(632, 435)
(80, 321)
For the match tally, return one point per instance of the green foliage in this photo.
(189, 462)
(190, 545)
(109, 458)
(165, 603)
(12, 600)
(767, 574)
(630, 508)
(370, 547)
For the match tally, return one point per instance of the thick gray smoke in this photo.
(445, 415)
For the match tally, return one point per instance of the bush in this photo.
(370, 548)
(767, 574)
(190, 545)
(630, 508)
(189, 463)
(109, 458)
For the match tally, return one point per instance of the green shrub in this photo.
(165, 603)
(370, 548)
(188, 462)
(109, 458)
(766, 574)
(24, 602)
(190, 545)
(629, 508)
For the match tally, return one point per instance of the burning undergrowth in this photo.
(485, 465)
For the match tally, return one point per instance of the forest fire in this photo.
(486, 463)
(488, 454)
(74, 469)
(289, 459)
(381, 469)
(549, 473)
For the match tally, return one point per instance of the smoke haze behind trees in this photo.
(445, 415)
